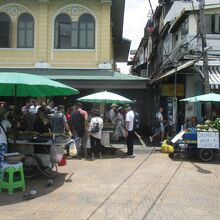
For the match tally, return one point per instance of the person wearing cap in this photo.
(112, 112)
(119, 133)
(129, 123)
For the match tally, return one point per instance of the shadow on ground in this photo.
(40, 183)
(107, 153)
(195, 158)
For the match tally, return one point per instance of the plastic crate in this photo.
(190, 136)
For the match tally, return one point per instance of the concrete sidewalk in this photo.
(149, 186)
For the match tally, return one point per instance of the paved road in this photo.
(149, 186)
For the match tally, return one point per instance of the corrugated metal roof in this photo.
(78, 74)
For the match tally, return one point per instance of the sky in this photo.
(135, 19)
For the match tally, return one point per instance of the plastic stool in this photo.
(9, 181)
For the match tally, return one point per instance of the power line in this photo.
(151, 6)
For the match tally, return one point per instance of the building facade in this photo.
(171, 54)
(76, 42)
(56, 34)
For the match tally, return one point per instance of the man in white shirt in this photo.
(129, 129)
(34, 107)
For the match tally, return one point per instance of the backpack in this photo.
(96, 128)
(136, 121)
(78, 122)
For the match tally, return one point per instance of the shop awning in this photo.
(214, 76)
(89, 78)
(172, 71)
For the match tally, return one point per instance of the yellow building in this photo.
(69, 41)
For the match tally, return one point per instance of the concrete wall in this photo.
(44, 13)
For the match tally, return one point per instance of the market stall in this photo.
(106, 97)
(42, 152)
(202, 140)
(28, 85)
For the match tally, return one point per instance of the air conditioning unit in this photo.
(106, 66)
(144, 73)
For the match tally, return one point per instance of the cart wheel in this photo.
(206, 154)
(171, 155)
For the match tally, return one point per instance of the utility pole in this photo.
(202, 32)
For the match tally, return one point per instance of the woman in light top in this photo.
(95, 128)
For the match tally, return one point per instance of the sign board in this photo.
(178, 136)
(42, 65)
(168, 89)
(208, 140)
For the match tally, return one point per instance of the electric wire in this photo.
(151, 6)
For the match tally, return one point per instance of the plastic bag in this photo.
(88, 144)
(72, 148)
(165, 148)
(56, 153)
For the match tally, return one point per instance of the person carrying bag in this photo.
(95, 129)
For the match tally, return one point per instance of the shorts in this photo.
(159, 130)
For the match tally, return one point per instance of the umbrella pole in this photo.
(15, 121)
(104, 112)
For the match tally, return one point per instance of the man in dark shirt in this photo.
(59, 121)
(79, 124)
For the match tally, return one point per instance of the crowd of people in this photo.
(85, 128)
(165, 127)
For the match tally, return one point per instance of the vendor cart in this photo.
(203, 140)
(203, 143)
(42, 154)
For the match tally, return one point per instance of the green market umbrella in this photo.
(105, 97)
(211, 97)
(24, 84)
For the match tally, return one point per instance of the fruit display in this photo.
(210, 127)
(190, 135)
(216, 124)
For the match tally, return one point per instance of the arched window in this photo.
(86, 32)
(74, 35)
(4, 30)
(25, 31)
(63, 32)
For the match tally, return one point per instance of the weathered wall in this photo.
(44, 14)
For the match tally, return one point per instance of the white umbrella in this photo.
(105, 97)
